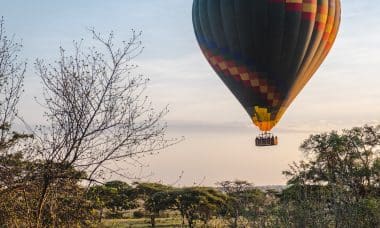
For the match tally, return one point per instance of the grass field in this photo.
(160, 222)
(144, 222)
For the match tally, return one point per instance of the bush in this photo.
(138, 214)
(115, 215)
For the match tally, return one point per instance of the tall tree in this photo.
(157, 197)
(243, 201)
(199, 203)
(340, 178)
(113, 195)
(12, 71)
(96, 110)
(158, 202)
(12, 161)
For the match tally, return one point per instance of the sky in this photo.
(219, 136)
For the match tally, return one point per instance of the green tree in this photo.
(158, 202)
(243, 201)
(98, 195)
(306, 206)
(199, 203)
(115, 196)
(65, 201)
(120, 196)
(156, 198)
(339, 184)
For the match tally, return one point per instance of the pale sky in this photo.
(219, 134)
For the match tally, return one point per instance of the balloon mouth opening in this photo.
(263, 118)
(265, 126)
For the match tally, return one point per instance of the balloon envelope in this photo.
(265, 51)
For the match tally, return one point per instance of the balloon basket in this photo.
(266, 139)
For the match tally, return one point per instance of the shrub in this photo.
(138, 214)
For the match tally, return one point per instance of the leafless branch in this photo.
(96, 107)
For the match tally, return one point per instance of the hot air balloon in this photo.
(265, 51)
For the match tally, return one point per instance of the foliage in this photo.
(113, 195)
(65, 201)
(157, 197)
(199, 203)
(243, 201)
(339, 185)
(138, 214)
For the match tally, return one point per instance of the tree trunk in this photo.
(101, 215)
(153, 220)
(190, 221)
(205, 222)
(41, 203)
(235, 224)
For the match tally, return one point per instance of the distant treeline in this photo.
(338, 186)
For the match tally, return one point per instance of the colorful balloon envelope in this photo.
(265, 51)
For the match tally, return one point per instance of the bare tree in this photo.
(97, 112)
(12, 72)
(12, 167)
